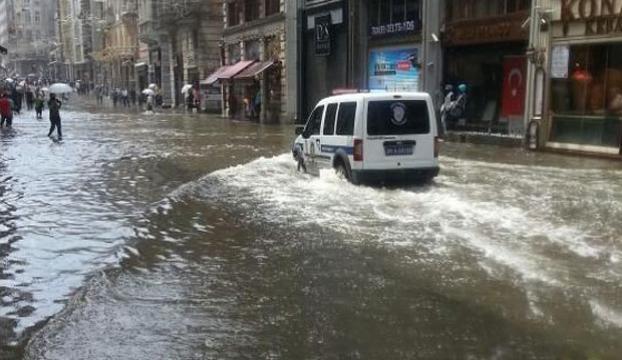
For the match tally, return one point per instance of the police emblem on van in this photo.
(399, 114)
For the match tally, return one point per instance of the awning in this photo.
(254, 70)
(213, 76)
(227, 72)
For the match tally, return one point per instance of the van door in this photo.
(325, 144)
(400, 133)
(311, 136)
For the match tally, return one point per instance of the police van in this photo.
(371, 138)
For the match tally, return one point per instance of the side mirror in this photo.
(299, 130)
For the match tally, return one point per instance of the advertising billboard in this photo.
(395, 69)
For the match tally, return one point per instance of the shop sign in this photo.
(600, 17)
(322, 35)
(395, 28)
(394, 69)
(486, 31)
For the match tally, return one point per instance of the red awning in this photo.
(227, 72)
(254, 70)
(213, 76)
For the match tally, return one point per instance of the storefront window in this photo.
(586, 100)
(382, 12)
(477, 9)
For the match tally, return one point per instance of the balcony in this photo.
(171, 11)
(147, 33)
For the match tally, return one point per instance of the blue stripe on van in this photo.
(333, 149)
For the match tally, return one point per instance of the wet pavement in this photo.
(190, 237)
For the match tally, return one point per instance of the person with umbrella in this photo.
(54, 105)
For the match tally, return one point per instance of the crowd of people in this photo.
(14, 94)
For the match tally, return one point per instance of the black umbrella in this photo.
(3, 50)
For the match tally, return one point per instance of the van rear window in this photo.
(397, 117)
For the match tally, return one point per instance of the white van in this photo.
(371, 138)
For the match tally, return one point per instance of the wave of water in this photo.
(519, 223)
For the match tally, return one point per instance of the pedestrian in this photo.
(30, 98)
(6, 112)
(39, 106)
(115, 97)
(150, 102)
(133, 96)
(125, 98)
(54, 105)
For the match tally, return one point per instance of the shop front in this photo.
(484, 48)
(394, 52)
(585, 91)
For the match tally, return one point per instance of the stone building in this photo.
(256, 80)
(27, 26)
(120, 43)
(186, 48)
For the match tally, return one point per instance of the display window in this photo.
(586, 95)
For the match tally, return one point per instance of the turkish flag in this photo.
(514, 85)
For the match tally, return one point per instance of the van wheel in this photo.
(342, 172)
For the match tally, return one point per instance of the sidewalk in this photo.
(483, 138)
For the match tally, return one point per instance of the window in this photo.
(383, 12)
(587, 104)
(233, 14)
(273, 7)
(315, 121)
(392, 117)
(473, 9)
(329, 120)
(345, 120)
(27, 17)
(251, 10)
(37, 17)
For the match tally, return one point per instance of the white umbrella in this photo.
(153, 86)
(9, 80)
(148, 92)
(185, 88)
(60, 88)
(45, 89)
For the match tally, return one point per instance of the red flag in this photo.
(514, 81)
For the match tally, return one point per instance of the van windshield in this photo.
(397, 117)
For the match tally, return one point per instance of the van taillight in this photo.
(358, 150)
(437, 146)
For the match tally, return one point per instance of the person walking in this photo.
(6, 113)
(54, 105)
(39, 106)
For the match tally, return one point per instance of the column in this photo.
(168, 83)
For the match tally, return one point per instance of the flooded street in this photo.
(192, 237)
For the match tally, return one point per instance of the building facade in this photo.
(186, 49)
(120, 44)
(376, 45)
(576, 75)
(27, 28)
(484, 44)
(255, 81)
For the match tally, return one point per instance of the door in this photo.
(312, 141)
(400, 133)
(326, 143)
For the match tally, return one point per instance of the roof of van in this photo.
(376, 95)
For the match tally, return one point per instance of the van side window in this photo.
(315, 121)
(345, 119)
(329, 120)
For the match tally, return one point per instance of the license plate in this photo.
(398, 150)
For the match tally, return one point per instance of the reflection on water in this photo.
(196, 238)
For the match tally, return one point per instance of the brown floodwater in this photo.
(191, 237)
